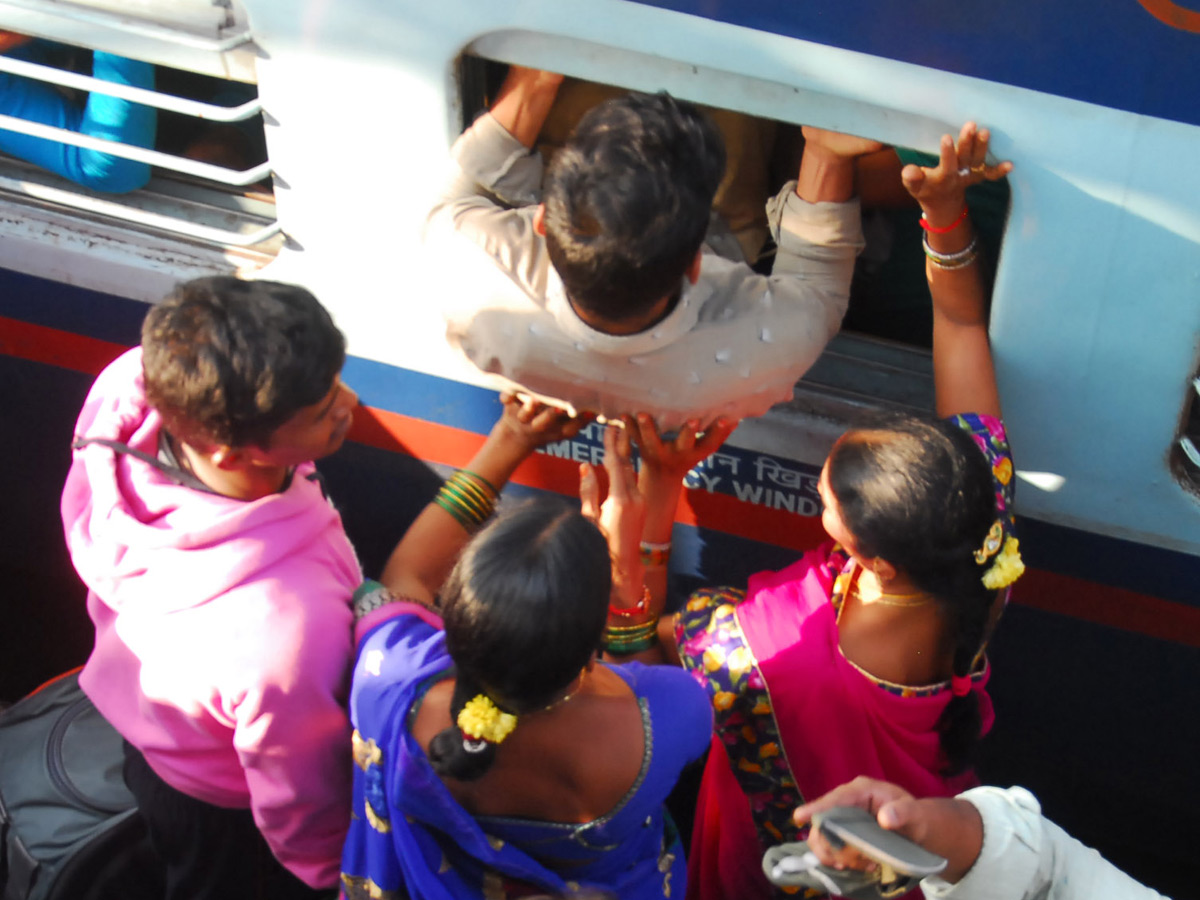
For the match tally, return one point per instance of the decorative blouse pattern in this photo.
(715, 651)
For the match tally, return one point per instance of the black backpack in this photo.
(69, 827)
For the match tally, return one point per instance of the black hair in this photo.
(918, 493)
(524, 611)
(628, 200)
(226, 361)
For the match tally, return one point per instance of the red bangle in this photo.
(627, 612)
(961, 218)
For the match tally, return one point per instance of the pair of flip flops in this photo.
(901, 863)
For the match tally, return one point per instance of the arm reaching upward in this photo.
(963, 373)
(430, 546)
(524, 101)
(640, 510)
(827, 168)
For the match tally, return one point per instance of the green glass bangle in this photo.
(649, 625)
(625, 648)
(469, 498)
(631, 631)
(469, 493)
(462, 517)
(468, 474)
(474, 507)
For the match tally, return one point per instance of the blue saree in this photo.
(409, 837)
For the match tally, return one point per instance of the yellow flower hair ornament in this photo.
(1007, 566)
(483, 723)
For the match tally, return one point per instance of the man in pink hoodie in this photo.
(219, 583)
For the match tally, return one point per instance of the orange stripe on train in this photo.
(38, 343)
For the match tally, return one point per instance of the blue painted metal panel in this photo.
(68, 307)
(1114, 53)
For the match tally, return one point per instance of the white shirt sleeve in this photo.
(488, 198)
(1027, 857)
(818, 244)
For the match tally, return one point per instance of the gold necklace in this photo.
(884, 598)
(567, 696)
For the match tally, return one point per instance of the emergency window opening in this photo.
(210, 177)
(881, 353)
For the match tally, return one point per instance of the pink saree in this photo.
(832, 722)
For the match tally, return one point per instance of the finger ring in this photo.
(977, 170)
(964, 172)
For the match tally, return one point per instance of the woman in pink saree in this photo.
(865, 657)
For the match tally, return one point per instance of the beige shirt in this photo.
(733, 346)
(1027, 857)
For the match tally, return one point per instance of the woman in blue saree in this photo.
(494, 757)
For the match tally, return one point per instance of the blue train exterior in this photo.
(1095, 319)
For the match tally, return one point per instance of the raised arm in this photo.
(963, 374)
(493, 187)
(665, 464)
(637, 518)
(827, 168)
(620, 517)
(430, 546)
(524, 101)
(818, 232)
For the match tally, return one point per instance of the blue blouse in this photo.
(410, 838)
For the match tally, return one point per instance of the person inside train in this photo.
(491, 749)
(100, 116)
(603, 296)
(760, 155)
(866, 655)
(997, 843)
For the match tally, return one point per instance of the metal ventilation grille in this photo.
(225, 206)
(213, 25)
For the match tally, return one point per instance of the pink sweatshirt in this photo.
(223, 629)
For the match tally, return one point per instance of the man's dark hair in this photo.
(226, 362)
(628, 201)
